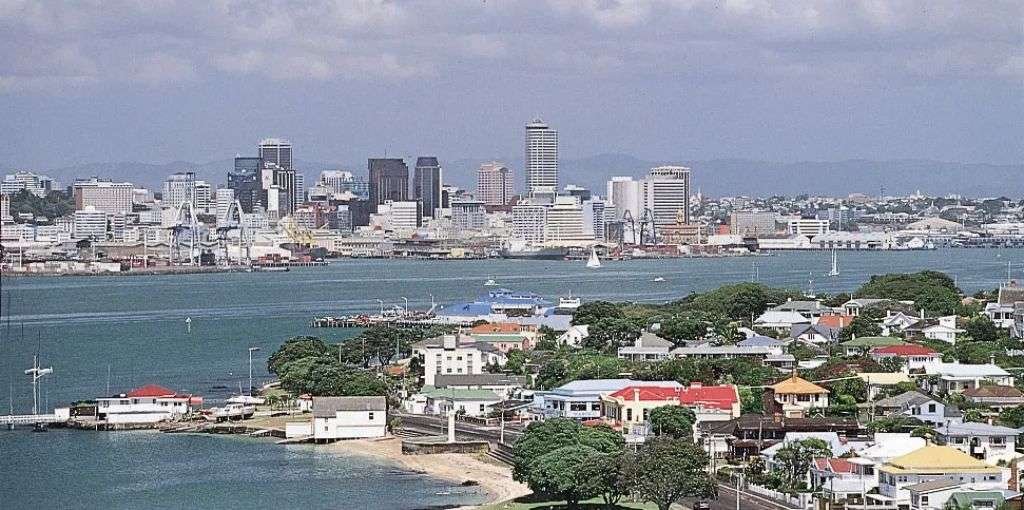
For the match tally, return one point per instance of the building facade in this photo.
(389, 180)
(427, 185)
(494, 184)
(666, 192)
(106, 196)
(541, 157)
(245, 181)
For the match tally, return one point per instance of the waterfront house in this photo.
(349, 417)
(148, 404)
(649, 347)
(990, 443)
(956, 377)
(581, 400)
(1002, 311)
(779, 322)
(630, 407)
(858, 346)
(997, 398)
(455, 354)
(928, 464)
(913, 356)
(441, 401)
(814, 334)
(924, 408)
(795, 397)
(504, 385)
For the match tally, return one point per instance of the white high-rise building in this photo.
(225, 196)
(594, 218)
(666, 192)
(541, 157)
(528, 221)
(468, 215)
(494, 184)
(565, 221)
(90, 223)
(300, 188)
(184, 187)
(5, 208)
(106, 196)
(624, 195)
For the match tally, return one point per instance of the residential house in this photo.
(877, 382)
(858, 346)
(997, 398)
(581, 400)
(747, 435)
(956, 377)
(441, 401)
(848, 486)
(913, 356)
(349, 417)
(149, 404)
(840, 446)
(779, 322)
(854, 306)
(807, 308)
(506, 336)
(895, 322)
(944, 329)
(933, 495)
(503, 385)
(836, 321)
(923, 407)
(1017, 331)
(573, 337)
(983, 500)
(931, 463)
(630, 407)
(815, 334)
(1002, 311)
(761, 341)
(708, 351)
(784, 362)
(795, 397)
(455, 354)
(990, 443)
(649, 347)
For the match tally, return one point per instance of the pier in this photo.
(30, 419)
(366, 321)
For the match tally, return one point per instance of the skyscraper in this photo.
(426, 185)
(245, 181)
(300, 188)
(389, 180)
(494, 186)
(541, 157)
(666, 192)
(277, 151)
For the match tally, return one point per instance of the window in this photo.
(931, 408)
(577, 406)
(629, 414)
(370, 415)
(803, 398)
(997, 441)
(482, 408)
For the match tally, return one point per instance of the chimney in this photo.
(992, 359)
(696, 384)
(636, 394)
(922, 313)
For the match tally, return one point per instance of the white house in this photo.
(148, 404)
(649, 347)
(581, 400)
(349, 417)
(990, 443)
(573, 337)
(455, 354)
(920, 406)
(503, 385)
(780, 321)
(912, 356)
(1002, 310)
(815, 334)
(956, 377)
(927, 464)
(945, 330)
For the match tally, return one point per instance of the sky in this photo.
(161, 80)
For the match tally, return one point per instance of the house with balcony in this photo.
(928, 464)
(997, 398)
(847, 486)
(148, 404)
(581, 400)
(503, 385)
(630, 407)
(920, 406)
(795, 397)
(708, 351)
(913, 356)
(1002, 311)
(956, 377)
(989, 443)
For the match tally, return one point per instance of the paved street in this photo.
(727, 501)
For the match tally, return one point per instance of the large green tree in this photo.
(673, 421)
(668, 469)
(296, 348)
(565, 473)
(933, 291)
(796, 457)
(592, 311)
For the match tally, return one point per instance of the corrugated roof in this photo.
(904, 350)
(797, 385)
(327, 407)
(445, 380)
(873, 341)
(937, 459)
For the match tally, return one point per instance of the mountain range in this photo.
(720, 177)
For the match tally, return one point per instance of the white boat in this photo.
(593, 262)
(658, 279)
(246, 400)
(569, 304)
(230, 412)
(490, 283)
(835, 264)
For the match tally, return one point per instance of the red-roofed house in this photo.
(630, 407)
(914, 356)
(835, 321)
(148, 404)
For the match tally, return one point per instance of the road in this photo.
(434, 425)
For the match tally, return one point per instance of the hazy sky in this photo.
(156, 81)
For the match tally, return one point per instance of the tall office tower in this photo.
(245, 181)
(105, 196)
(284, 179)
(541, 157)
(529, 222)
(184, 187)
(223, 200)
(624, 195)
(389, 180)
(594, 218)
(426, 184)
(277, 151)
(494, 186)
(300, 189)
(666, 192)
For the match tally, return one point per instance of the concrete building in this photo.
(389, 180)
(666, 192)
(624, 195)
(454, 355)
(807, 227)
(184, 187)
(277, 151)
(468, 215)
(106, 196)
(541, 157)
(38, 185)
(90, 223)
(426, 185)
(245, 181)
(564, 221)
(494, 184)
(148, 404)
(750, 223)
(224, 198)
(529, 222)
(341, 182)
(5, 208)
(300, 189)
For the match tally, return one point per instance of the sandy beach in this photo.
(494, 477)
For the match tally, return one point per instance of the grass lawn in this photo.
(531, 502)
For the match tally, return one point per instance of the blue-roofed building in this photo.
(495, 306)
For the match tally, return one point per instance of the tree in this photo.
(517, 361)
(933, 291)
(612, 475)
(682, 329)
(565, 474)
(668, 469)
(296, 348)
(751, 402)
(796, 458)
(860, 326)
(673, 421)
(738, 301)
(982, 329)
(608, 334)
(591, 312)
(892, 424)
(1012, 417)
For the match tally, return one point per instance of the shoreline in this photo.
(494, 478)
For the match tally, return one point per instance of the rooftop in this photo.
(938, 459)
(797, 385)
(327, 407)
(904, 350)
(446, 380)
(873, 341)
(719, 397)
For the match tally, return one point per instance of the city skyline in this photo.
(777, 82)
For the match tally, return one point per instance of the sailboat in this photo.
(593, 262)
(835, 264)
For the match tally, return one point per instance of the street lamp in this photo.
(381, 301)
(251, 350)
(406, 305)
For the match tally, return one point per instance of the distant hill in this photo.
(714, 177)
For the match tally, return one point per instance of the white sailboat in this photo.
(593, 262)
(835, 264)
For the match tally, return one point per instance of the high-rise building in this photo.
(5, 208)
(184, 187)
(752, 223)
(341, 182)
(245, 181)
(38, 185)
(90, 223)
(594, 218)
(528, 221)
(300, 189)
(389, 181)
(494, 184)
(666, 192)
(565, 221)
(624, 195)
(106, 196)
(276, 151)
(541, 157)
(225, 196)
(468, 215)
(582, 194)
(426, 185)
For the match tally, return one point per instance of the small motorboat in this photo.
(490, 283)
(658, 279)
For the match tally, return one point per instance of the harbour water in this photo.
(120, 332)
